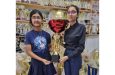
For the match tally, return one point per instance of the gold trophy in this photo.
(55, 47)
(57, 26)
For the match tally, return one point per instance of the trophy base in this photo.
(55, 58)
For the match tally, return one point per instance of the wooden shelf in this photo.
(22, 21)
(85, 10)
(36, 6)
(20, 36)
(92, 35)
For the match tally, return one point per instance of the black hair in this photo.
(34, 12)
(76, 7)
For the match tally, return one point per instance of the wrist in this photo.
(42, 60)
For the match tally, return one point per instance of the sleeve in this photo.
(81, 46)
(48, 38)
(27, 39)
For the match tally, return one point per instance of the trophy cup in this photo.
(57, 26)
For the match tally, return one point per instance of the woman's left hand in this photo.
(63, 59)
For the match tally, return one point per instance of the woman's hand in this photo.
(63, 59)
(46, 62)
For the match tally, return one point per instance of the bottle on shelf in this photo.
(87, 22)
(94, 29)
(97, 29)
(90, 29)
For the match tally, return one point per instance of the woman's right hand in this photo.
(46, 62)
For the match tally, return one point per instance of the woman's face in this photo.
(72, 14)
(36, 20)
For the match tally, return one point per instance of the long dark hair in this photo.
(34, 12)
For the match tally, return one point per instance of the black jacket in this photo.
(74, 38)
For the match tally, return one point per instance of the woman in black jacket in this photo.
(74, 39)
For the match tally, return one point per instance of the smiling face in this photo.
(72, 14)
(36, 20)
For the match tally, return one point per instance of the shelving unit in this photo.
(48, 8)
